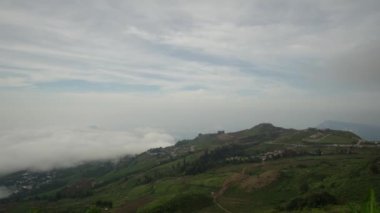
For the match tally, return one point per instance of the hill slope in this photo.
(367, 132)
(261, 169)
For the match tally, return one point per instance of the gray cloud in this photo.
(187, 112)
(43, 149)
(359, 69)
(113, 40)
(185, 66)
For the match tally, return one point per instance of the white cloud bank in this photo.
(51, 148)
(4, 192)
(183, 66)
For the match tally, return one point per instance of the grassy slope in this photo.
(241, 187)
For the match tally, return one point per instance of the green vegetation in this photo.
(369, 206)
(262, 169)
(187, 202)
(314, 200)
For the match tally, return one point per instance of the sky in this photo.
(72, 70)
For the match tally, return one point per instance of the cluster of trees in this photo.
(265, 136)
(314, 200)
(145, 179)
(104, 204)
(73, 194)
(208, 160)
(375, 166)
(211, 159)
(187, 202)
(79, 189)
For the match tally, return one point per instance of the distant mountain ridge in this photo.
(367, 132)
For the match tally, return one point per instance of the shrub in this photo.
(104, 204)
(371, 205)
(375, 166)
(187, 202)
(93, 210)
(311, 201)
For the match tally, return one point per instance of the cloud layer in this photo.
(4, 192)
(182, 66)
(56, 148)
(174, 45)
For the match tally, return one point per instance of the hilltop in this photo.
(261, 169)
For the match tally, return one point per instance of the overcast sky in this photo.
(185, 67)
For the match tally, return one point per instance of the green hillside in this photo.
(261, 169)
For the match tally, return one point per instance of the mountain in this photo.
(261, 169)
(367, 132)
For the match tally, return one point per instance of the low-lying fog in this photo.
(4, 192)
(44, 149)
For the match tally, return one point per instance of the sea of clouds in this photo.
(44, 149)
